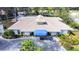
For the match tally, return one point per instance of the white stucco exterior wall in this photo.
(54, 33)
(1, 28)
(64, 32)
(27, 33)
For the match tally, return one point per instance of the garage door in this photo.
(40, 33)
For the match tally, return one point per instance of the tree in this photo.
(9, 34)
(50, 9)
(29, 45)
(42, 10)
(64, 14)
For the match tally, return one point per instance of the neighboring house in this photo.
(1, 28)
(74, 15)
(39, 25)
(20, 14)
(75, 20)
(2, 14)
(23, 13)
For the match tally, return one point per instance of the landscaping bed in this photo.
(10, 34)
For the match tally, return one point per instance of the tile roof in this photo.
(29, 23)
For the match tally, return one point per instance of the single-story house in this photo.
(39, 25)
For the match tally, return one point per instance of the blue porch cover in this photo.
(40, 33)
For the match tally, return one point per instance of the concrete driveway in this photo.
(49, 44)
(13, 45)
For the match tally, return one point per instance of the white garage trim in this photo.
(64, 32)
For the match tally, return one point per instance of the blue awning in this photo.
(40, 33)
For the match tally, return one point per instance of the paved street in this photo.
(49, 44)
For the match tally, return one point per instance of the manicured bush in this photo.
(9, 34)
(18, 35)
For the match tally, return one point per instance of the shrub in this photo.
(18, 35)
(74, 24)
(29, 45)
(9, 34)
(75, 41)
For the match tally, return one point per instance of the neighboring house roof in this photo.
(29, 23)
